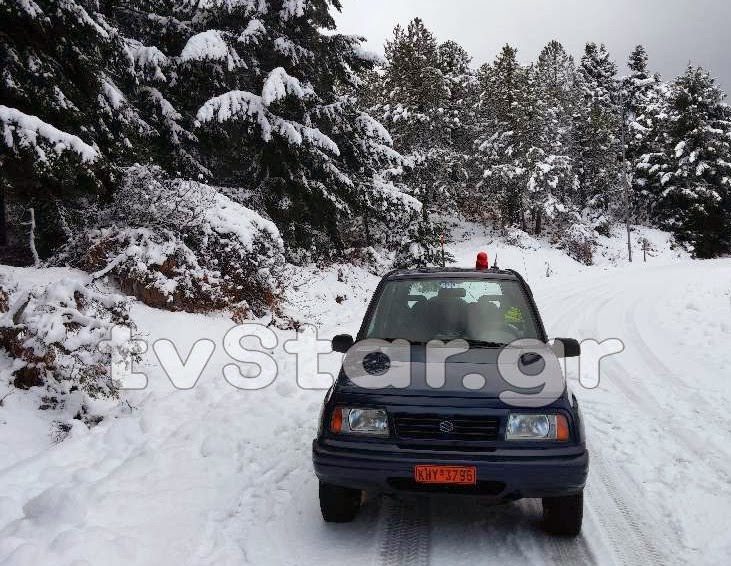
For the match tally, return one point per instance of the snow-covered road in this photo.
(219, 476)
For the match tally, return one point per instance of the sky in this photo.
(675, 32)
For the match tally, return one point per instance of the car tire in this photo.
(563, 515)
(339, 504)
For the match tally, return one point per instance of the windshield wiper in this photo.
(470, 341)
(411, 342)
(484, 343)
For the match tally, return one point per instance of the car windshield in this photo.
(484, 312)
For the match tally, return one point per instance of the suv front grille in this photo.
(446, 427)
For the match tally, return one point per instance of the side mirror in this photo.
(342, 343)
(566, 348)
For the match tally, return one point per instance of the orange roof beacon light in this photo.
(482, 262)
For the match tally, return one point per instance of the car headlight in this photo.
(537, 427)
(359, 421)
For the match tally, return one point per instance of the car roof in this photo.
(453, 272)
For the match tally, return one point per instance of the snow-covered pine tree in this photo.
(645, 98)
(462, 121)
(639, 90)
(415, 89)
(67, 123)
(454, 63)
(559, 99)
(412, 106)
(508, 108)
(154, 33)
(695, 173)
(553, 183)
(598, 132)
(380, 208)
(268, 83)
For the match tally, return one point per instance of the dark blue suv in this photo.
(451, 387)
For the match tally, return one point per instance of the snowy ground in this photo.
(217, 475)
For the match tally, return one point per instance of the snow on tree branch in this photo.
(29, 128)
(279, 84)
(293, 9)
(29, 7)
(147, 58)
(365, 54)
(252, 33)
(249, 6)
(205, 45)
(374, 128)
(238, 104)
(295, 53)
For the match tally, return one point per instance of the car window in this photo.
(477, 310)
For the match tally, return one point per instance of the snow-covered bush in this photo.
(579, 242)
(422, 246)
(182, 245)
(52, 332)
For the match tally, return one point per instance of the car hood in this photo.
(515, 377)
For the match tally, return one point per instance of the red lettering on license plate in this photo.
(462, 475)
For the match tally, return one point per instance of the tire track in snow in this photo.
(624, 524)
(626, 531)
(405, 532)
(607, 499)
(619, 520)
(654, 363)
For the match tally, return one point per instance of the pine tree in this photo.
(645, 99)
(559, 101)
(597, 131)
(154, 32)
(461, 120)
(413, 102)
(695, 174)
(415, 89)
(508, 108)
(268, 97)
(454, 63)
(553, 183)
(68, 123)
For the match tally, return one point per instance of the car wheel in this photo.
(339, 504)
(563, 515)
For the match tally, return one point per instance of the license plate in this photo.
(463, 475)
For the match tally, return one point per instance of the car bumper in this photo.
(502, 474)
